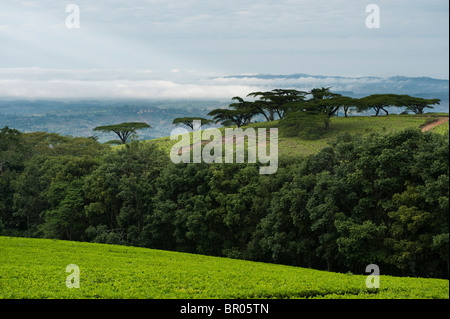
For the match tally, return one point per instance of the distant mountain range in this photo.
(356, 85)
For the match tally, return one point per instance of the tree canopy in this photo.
(380, 198)
(189, 121)
(276, 102)
(323, 104)
(379, 102)
(239, 113)
(417, 104)
(123, 130)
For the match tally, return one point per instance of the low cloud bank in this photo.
(37, 83)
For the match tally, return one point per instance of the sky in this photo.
(185, 48)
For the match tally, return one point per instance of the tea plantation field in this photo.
(354, 125)
(36, 268)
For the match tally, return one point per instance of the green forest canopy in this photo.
(379, 199)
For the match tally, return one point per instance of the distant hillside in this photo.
(79, 117)
(360, 85)
(357, 125)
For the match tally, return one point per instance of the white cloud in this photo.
(41, 83)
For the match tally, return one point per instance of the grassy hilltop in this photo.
(355, 125)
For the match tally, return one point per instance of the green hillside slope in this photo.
(36, 268)
(355, 125)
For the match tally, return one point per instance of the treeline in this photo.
(364, 200)
(319, 104)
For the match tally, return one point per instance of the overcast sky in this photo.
(144, 47)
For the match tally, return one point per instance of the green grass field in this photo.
(354, 125)
(36, 268)
(441, 129)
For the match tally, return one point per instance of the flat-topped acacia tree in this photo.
(276, 102)
(379, 102)
(123, 130)
(189, 121)
(417, 104)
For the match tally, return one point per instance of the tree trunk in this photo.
(265, 115)
(420, 110)
(261, 111)
(328, 264)
(280, 114)
(271, 117)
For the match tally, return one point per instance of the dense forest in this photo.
(376, 199)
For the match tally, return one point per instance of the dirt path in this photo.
(439, 121)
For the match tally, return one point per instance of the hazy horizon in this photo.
(46, 84)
